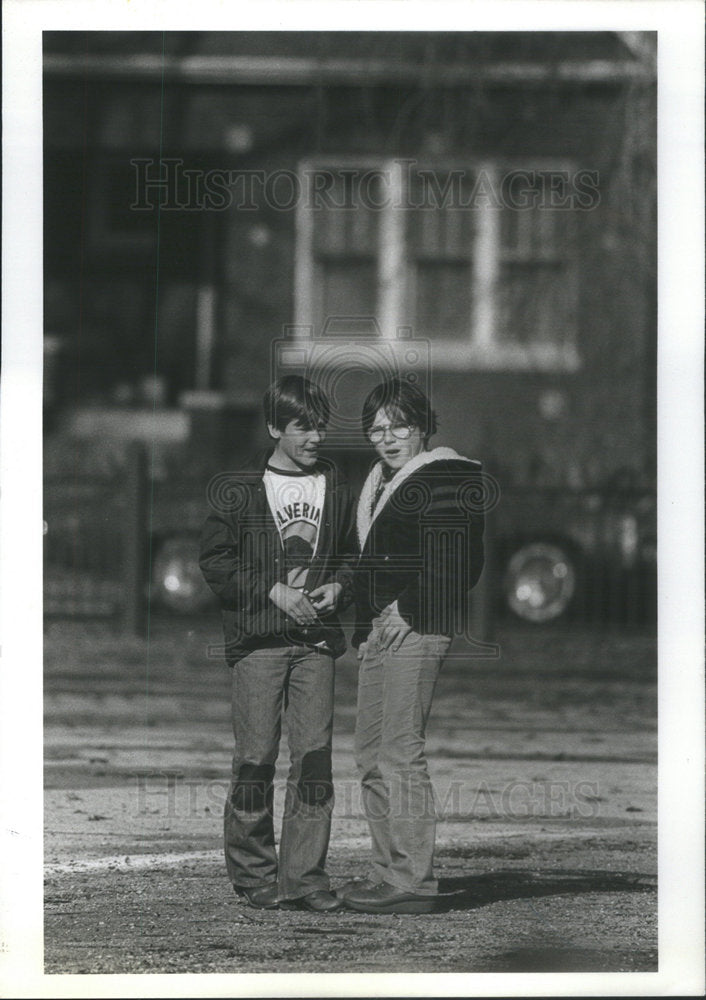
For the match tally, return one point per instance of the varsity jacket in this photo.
(242, 558)
(421, 542)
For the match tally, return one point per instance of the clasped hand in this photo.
(302, 608)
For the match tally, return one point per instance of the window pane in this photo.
(536, 276)
(346, 219)
(441, 227)
(534, 233)
(443, 299)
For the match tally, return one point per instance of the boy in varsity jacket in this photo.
(276, 549)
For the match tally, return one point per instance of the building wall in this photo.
(123, 285)
(560, 427)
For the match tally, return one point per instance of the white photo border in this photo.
(680, 479)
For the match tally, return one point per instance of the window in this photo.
(489, 280)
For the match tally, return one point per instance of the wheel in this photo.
(177, 581)
(540, 581)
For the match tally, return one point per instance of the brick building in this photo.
(492, 195)
(494, 192)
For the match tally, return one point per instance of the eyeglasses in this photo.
(400, 431)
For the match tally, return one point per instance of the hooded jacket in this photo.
(421, 543)
(242, 559)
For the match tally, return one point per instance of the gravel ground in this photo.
(544, 764)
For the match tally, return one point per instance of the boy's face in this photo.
(298, 444)
(393, 450)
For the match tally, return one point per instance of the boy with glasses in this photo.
(421, 553)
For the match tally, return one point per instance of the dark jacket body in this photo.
(242, 558)
(424, 550)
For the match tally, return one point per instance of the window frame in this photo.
(395, 265)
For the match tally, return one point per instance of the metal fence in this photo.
(94, 543)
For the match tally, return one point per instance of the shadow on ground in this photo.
(473, 891)
(538, 959)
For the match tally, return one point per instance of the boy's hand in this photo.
(361, 650)
(294, 604)
(394, 628)
(325, 598)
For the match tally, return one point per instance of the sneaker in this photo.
(386, 898)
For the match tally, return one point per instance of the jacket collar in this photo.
(365, 516)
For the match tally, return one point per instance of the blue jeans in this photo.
(300, 681)
(395, 691)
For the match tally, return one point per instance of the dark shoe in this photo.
(262, 897)
(386, 898)
(318, 901)
(354, 885)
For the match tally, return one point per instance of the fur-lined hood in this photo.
(365, 516)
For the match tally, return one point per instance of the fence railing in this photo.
(95, 543)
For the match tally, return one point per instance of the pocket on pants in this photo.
(417, 645)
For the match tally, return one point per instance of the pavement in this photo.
(544, 765)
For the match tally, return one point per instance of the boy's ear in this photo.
(273, 432)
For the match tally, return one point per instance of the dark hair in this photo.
(401, 400)
(294, 397)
